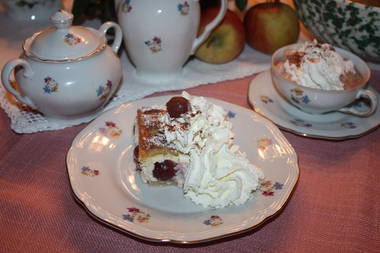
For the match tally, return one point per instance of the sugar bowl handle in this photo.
(118, 34)
(5, 78)
(222, 12)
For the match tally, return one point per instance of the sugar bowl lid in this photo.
(63, 42)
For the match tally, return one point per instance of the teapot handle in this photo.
(222, 12)
(5, 78)
(118, 34)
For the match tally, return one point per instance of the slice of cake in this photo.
(189, 142)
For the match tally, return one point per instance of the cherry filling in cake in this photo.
(154, 157)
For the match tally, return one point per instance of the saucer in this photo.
(333, 126)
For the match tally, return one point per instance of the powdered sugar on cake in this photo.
(211, 170)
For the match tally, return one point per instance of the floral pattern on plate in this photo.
(135, 214)
(51, 85)
(267, 188)
(264, 143)
(213, 221)
(231, 114)
(87, 171)
(110, 130)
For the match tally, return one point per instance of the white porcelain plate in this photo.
(104, 179)
(335, 126)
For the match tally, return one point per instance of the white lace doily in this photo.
(194, 73)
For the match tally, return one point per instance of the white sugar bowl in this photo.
(66, 72)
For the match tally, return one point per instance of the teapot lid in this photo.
(63, 42)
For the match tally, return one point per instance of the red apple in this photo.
(225, 42)
(271, 25)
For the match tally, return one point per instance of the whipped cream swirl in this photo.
(317, 65)
(218, 174)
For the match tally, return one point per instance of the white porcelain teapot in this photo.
(66, 71)
(160, 35)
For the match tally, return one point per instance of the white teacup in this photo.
(318, 101)
(160, 35)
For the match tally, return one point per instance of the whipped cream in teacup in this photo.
(317, 65)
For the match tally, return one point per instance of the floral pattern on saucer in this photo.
(349, 125)
(266, 99)
(213, 221)
(50, 85)
(301, 122)
(110, 130)
(87, 171)
(135, 214)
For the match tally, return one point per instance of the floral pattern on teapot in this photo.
(104, 90)
(154, 44)
(72, 39)
(126, 6)
(50, 85)
(184, 8)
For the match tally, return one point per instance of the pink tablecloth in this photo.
(335, 206)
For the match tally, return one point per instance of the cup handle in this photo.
(5, 78)
(366, 94)
(118, 34)
(222, 12)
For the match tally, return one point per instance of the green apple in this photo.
(270, 26)
(225, 42)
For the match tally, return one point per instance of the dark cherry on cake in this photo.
(177, 106)
(164, 170)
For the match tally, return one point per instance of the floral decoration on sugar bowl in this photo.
(110, 130)
(87, 171)
(154, 44)
(183, 8)
(267, 188)
(104, 90)
(213, 221)
(126, 6)
(72, 39)
(135, 214)
(50, 85)
(298, 96)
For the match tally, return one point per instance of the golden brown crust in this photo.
(151, 139)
